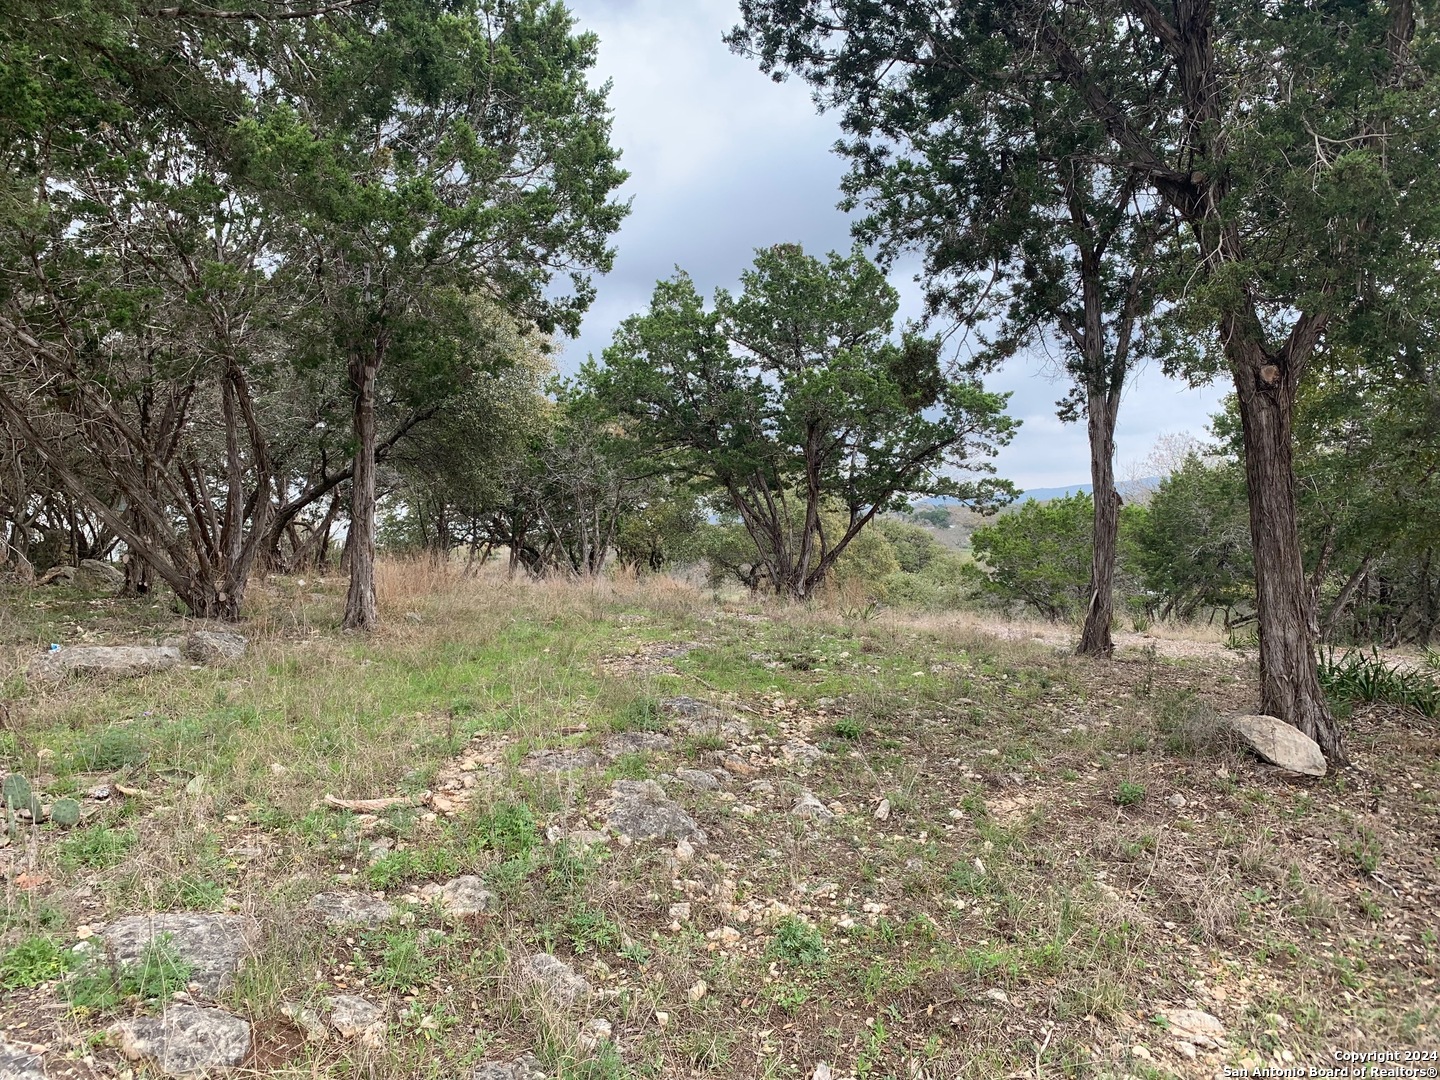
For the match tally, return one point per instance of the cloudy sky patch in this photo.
(723, 161)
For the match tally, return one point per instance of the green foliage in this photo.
(508, 828)
(34, 961)
(1129, 793)
(410, 865)
(798, 943)
(1357, 676)
(1038, 555)
(97, 986)
(96, 847)
(792, 400)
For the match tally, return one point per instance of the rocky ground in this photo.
(600, 833)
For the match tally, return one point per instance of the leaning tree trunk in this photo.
(360, 611)
(1289, 682)
(1095, 639)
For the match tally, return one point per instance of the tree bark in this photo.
(1289, 682)
(1095, 639)
(360, 610)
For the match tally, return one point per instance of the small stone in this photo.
(811, 808)
(213, 646)
(1176, 801)
(998, 996)
(882, 812)
(559, 760)
(1194, 1026)
(822, 1072)
(17, 1063)
(761, 787)
(662, 1019)
(684, 852)
(698, 779)
(1140, 1052)
(736, 765)
(555, 978)
(307, 1019)
(465, 895)
(642, 811)
(352, 909)
(699, 990)
(1185, 1049)
(351, 1015)
(798, 750)
(576, 838)
(680, 911)
(636, 742)
(185, 1039)
(595, 1033)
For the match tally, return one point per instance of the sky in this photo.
(723, 161)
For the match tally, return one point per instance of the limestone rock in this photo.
(802, 752)
(525, 1067)
(213, 646)
(351, 909)
(811, 808)
(351, 1015)
(555, 978)
(1280, 744)
(102, 661)
(186, 1039)
(57, 575)
(595, 1033)
(18, 1064)
(214, 946)
(698, 718)
(100, 576)
(642, 811)
(1195, 1027)
(698, 779)
(465, 895)
(565, 760)
(576, 838)
(636, 742)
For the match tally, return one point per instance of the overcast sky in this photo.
(723, 161)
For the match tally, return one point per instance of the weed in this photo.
(848, 727)
(412, 864)
(1364, 850)
(1129, 793)
(98, 987)
(95, 848)
(34, 961)
(797, 943)
(1356, 676)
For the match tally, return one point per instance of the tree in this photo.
(1295, 144)
(791, 399)
(1039, 555)
(436, 153)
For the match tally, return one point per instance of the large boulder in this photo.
(102, 661)
(212, 645)
(99, 576)
(1280, 744)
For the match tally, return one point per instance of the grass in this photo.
(1029, 849)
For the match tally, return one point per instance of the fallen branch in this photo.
(369, 805)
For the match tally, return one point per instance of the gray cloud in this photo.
(723, 160)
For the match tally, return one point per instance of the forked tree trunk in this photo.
(360, 611)
(1095, 639)
(1289, 682)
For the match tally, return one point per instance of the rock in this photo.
(998, 996)
(1176, 801)
(698, 991)
(636, 742)
(555, 978)
(680, 911)
(57, 575)
(579, 838)
(214, 946)
(1280, 744)
(18, 1064)
(697, 718)
(186, 1039)
(698, 779)
(102, 661)
(351, 1015)
(822, 1072)
(642, 811)
(760, 787)
(736, 765)
(307, 1019)
(351, 909)
(559, 760)
(1194, 1026)
(465, 895)
(100, 576)
(213, 646)
(805, 753)
(595, 1033)
(811, 808)
(882, 812)
(525, 1067)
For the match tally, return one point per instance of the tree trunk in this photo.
(360, 611)
(1289, 683)
(1095, 637)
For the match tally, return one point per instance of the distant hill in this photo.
(1046, 494)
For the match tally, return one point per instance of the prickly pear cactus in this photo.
(15, 792)
(65, 812)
